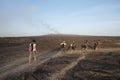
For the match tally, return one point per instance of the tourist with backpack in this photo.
(62, 46)
(32, 51)
(95, 45)
(83, 45)
(98, 44)
(73, 45)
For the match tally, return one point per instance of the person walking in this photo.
(95, 45)
(73, 45)
(98, 44)
(86, 44)
(62, 46)
(83, 46)
(32, 51)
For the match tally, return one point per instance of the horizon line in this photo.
(60, 34)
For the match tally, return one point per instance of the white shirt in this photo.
(34, 47)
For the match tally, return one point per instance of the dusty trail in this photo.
(59, 75)
(20, 66)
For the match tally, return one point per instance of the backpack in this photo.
(62, 46)
(31, 46)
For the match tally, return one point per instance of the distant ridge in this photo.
(60, 35)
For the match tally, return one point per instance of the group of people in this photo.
(84, 46)
(71, 46)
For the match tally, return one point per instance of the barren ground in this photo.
(102, 64)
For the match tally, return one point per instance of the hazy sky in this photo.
(39, 17)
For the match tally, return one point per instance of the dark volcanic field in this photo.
(47, 69)
(96, 66)
(13, 48)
